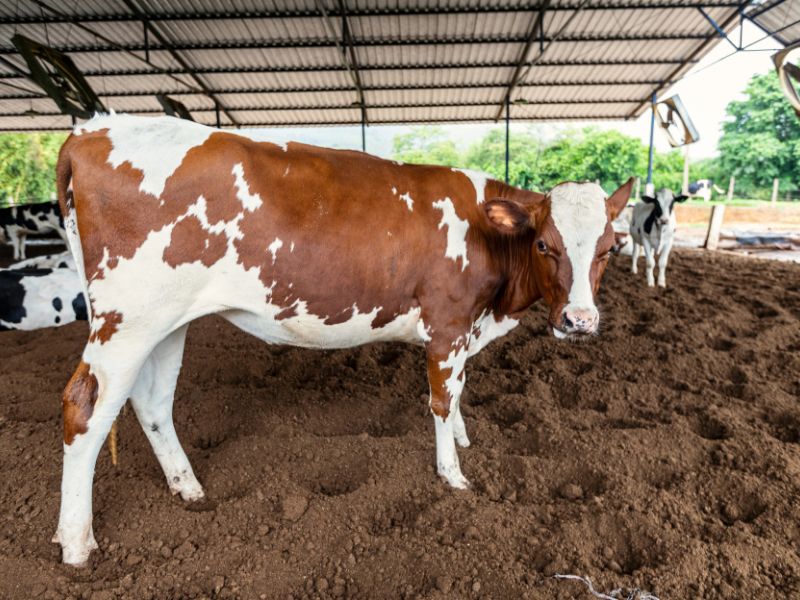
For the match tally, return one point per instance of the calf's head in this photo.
(570, 236)
(663, 204)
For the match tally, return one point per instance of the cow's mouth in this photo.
(560, 333)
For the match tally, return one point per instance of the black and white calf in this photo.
(653, 228)
(36, 298)
(17, 222)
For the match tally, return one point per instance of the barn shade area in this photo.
(664, 454)
(318, 62)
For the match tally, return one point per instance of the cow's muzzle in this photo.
(577, 322)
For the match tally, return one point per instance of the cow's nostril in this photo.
(568, 322)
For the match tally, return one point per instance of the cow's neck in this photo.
(514, 256)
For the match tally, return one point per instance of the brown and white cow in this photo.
(170, 220)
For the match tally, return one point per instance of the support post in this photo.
(649, 188)
(731, 186)
(508, 133)
(685, 186)
(638, 195)
(714, 227)
(363, 132)
(775, 183)
(216, 112)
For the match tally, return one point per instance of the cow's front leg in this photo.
(18, 243)
(649, 255)
(446, 362)
(662, 263)
(635, 258)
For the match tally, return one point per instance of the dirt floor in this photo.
(664, 455)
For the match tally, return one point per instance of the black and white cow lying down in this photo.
(63, 260)
(653, 226)
(36, 298)
(17, 222)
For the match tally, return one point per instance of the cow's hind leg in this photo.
(459, 429)
(91, 402)
(152, 397)
(18, 243)
(635, 258)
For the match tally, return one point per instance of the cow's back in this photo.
(331, 233)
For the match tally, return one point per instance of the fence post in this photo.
(731, 185)
(714, 227)
(637, 196)
(774, 190)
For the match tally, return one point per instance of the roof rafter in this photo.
(382, 67)
(216, 15)
(134, 7)
(361, 42)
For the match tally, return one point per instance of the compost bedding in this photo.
(663, 454)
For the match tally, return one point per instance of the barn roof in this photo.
(779, 18)
(318, 62)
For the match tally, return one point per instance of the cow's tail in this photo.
(67, 204)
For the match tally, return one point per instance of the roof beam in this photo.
(382, 67)
(692, 58)
(284, 108)
(216, 15)
(351, 64)
(378, 88)
(162, 39)
(361, 42)
(536, 32)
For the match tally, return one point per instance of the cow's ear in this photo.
(680, 198)
(618, 200)
(649, 200)
(507, 216)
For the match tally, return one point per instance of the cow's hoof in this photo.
(662, 284)
(462, 440)
(454, 478)
(76, 554)
(190, 491)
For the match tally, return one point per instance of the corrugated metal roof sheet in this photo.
(292, 62)
(779, 17)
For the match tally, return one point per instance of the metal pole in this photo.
(363, 132)
(508, 124)
(649, 188)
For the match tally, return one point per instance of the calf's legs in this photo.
(649, 254)
(662, 264)
(635, 258)
(152, 398)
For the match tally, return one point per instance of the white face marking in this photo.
(274, 247)
(456, 232)
(291, 247)
(250, 201)
(139, 141)
(478, 180)
(579, 213)
(665, 197)
(394, 190)
(408, 200)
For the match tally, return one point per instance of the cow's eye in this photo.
(541, 247)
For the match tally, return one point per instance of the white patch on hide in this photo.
(156, 146)
(456, 232)
(478, 180)
(250, 201)
(274, 247)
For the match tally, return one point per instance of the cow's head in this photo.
(571, 238)
(663, 204)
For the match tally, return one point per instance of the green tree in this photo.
(489, 155)
(27, 166)
(426, 146)
(761, 138)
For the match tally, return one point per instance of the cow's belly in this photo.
(310, 331)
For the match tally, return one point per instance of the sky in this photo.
(705, 91)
